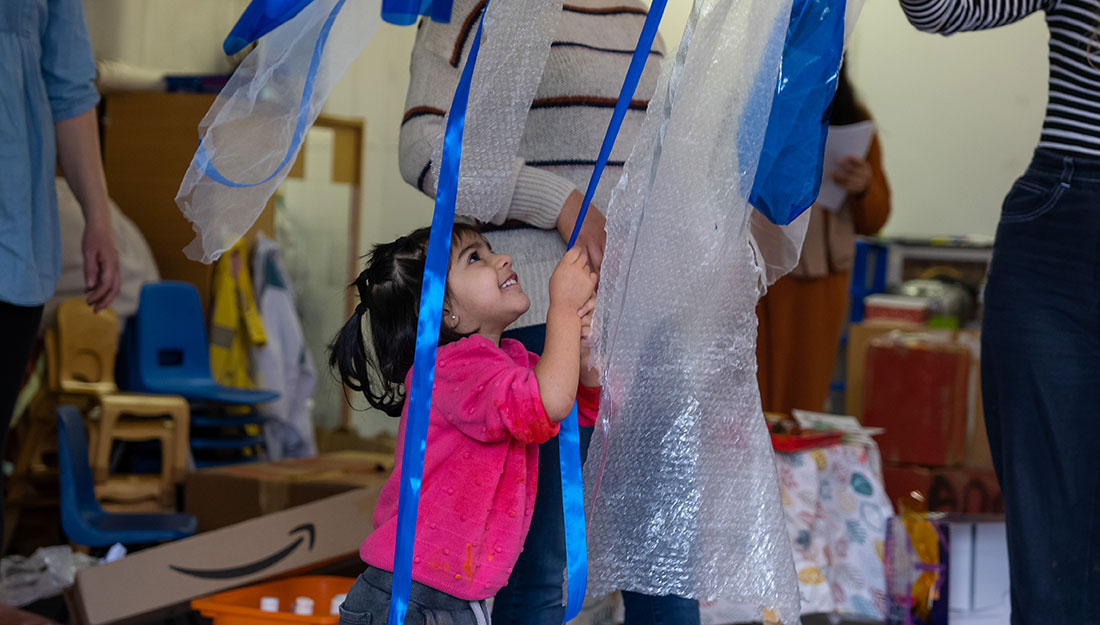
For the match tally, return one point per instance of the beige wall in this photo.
(958, 116)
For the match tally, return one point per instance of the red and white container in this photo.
(897, 308)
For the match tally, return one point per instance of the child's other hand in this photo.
(588, 377)
(573, 283)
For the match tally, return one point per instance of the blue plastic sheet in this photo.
(789, 174)
(260, 18)
(406, 12)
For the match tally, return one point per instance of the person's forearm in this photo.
(558, 368)
(78, 153)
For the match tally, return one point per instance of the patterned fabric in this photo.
(837, 510)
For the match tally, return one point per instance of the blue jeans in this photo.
(534, 594)
(1041, 387)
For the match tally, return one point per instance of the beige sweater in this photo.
(565, 128)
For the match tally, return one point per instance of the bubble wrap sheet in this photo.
(681, 487)
(516, 40)
(253, 125)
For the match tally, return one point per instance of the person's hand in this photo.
(589, 377)
(592, 236)
(573, 283)
(853, 174)
(101, 272)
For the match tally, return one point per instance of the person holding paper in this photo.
(1040, 336)
(802, 315)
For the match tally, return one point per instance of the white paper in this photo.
(854, 431)
(843, 141)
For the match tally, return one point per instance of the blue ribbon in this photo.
(427, 340)
(572, 485)
(406, 12)
(630, 84)
(202, 159)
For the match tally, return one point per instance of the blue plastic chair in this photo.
(84, 521)
(169, 350)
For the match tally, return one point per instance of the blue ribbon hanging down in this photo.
(427, 340)
(202, 159)
(572, 490)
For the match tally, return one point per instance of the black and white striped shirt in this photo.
(1072, 123)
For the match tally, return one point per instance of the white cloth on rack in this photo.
(282, 364)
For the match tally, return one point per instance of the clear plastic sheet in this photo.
(517, 36)
(777, 248)
(253, 131)
(681, 485)
(46, 573)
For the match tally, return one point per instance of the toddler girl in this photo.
(493, 402)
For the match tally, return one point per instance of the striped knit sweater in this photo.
(568, 119)
(1072, 124)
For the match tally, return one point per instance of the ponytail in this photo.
(389, 301)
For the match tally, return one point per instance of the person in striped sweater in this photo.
(1041, 325)
(566, 125)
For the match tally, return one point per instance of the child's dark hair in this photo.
(389, 296)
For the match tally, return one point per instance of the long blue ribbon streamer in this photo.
(202, 159)
(572, 490)
(427, 340)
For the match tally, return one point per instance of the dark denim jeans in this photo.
(1041, 387)
(368, 603)
(534, 593)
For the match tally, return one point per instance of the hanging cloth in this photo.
(235, 323)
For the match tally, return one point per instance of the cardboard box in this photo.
(860, 336)
(148, 141)
(859, 339)
(238, 555)
(978, 575)
(960, 490)
(972, 571)
(222, 496)
(919, 392)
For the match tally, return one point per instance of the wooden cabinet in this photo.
(148, 141)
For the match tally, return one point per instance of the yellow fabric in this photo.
(235, 323)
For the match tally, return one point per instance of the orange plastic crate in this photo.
(242, 606)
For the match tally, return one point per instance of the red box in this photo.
(918, 393)
(966, 490)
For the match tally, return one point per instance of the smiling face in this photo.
(484, 293)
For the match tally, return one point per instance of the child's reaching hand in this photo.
(589, 377)
(572, 290)
(573, 282)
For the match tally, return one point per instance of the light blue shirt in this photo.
(46, 76)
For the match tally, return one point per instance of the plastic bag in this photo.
(406, 12)
(680, 480)
(258, 19)
(518, 34)
(46, 573)
(789, 176)
(256, 126)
